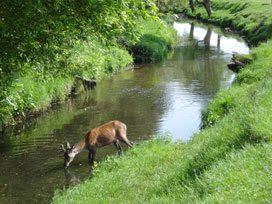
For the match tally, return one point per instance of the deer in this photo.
(108, 133)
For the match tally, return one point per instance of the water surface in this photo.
(166, 97)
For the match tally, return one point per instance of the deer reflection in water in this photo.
(70, 178)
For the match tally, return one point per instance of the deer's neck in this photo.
(80, 146)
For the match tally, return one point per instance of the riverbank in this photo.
(42, 69)
(251, 19)
(228, 161)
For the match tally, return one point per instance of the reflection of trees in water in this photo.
(218, 41)
(191, 33)
(199, 61)
(45, 126)
(207, 38)
(138, 104)
(136, 98)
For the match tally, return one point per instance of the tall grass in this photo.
(32, 95)
(91, 59)
(157, 40)
(245, 85)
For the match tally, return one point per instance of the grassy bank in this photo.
(229, 161)
(155, 43)
(36, 89)
(250, 18)
(39, 68)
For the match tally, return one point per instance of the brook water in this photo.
(167, 97)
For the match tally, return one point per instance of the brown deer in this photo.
(108, 133)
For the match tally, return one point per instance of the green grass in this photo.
(93, 60)
(203, 170)
(159, 171)
(251, 18)
(223, 163)
(132, 177)
(35, 91)
(229, 161)
(243, 176)
(29, 96)
(157, 40)
(249, 81)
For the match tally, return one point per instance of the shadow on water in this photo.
(154, 99)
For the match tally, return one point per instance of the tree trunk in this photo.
(192, 5)
(207, 38)
(207, 5)
(191, 34)
(218, 42)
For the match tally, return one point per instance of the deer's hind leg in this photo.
(118, 147)
(127, 142)
(123, 137)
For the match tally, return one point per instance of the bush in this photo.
(157, 40)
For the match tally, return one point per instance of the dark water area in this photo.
(162, 98)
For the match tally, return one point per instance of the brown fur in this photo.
(108, 133)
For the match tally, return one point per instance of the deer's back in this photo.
(104, 134)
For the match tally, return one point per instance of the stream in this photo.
(164, 98)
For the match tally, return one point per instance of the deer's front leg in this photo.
(91, 157)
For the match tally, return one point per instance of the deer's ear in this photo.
(62, 149)
(68, 145)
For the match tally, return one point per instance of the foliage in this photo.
(244, 59)
(47, 42)
(171, 6)
(28, 95)
(91, 59)
(157, 40)
(40, 32)
(150, 49)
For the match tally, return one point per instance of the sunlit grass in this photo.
(223, 163)
(157, 40)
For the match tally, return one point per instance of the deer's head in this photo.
(69, 153)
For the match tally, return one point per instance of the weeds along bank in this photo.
(229, 161)
(44, 45)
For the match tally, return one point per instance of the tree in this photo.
(192, 5)
(206, 3)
